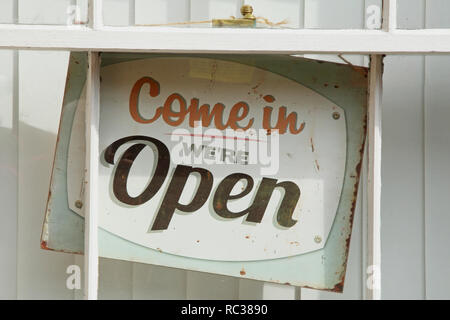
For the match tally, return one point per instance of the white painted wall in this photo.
(415, 171)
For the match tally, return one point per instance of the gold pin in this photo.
(247, 20)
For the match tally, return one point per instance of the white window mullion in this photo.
(389, 15)
(91, 193)
(92, 155)
(95, 14)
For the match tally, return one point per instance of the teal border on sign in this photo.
(345, 85)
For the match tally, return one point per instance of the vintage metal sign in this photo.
(236, 165)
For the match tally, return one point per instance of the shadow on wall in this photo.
(8, 200)
(24, 186)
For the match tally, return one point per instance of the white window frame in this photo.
(95, 37)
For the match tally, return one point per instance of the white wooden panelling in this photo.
(161, 11)
(41, 274)
(331, 14)
(437, 13)
(155, 282)
(274, 291)
(8, 163)
(276, 11)
(7, 11)
(214, 9)
(402, 206)
(8, 173)
(410, 14)
(415, 259)
(118, 12)
(250, 289)
(206, 286)
(41, 77)
(437, 177)
(402, 177)
(115, 279)
(437, 159)
(43, 11)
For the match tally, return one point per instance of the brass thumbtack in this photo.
(247, 20)
(247, 12)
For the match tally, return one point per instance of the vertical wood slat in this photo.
(8, 161)
(437, 159)
(437, 177)
(40, 88)
(8, 173)
(402, 201)
(40, 274)
(402, 196)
